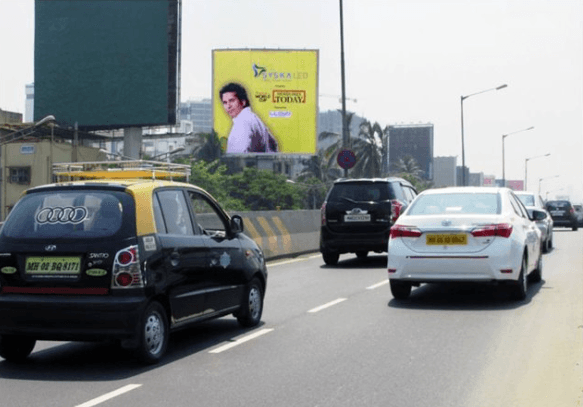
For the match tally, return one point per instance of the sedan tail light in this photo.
(404, 231)
(501, 229)
(396, 208)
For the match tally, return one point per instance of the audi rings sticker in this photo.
(58, 214)
(149, 243)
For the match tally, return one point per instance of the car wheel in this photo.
(400, 290)
(16, 348)
(537, 273)
(545, 246)
(252, 307)
(520, 286)
(154, 334)
(575, 227)
(330, 259)
(362, 254)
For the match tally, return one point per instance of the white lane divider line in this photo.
(110, 395)
(327, 305)
(241, 340)
(377, 285)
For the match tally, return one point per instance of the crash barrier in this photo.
(283, 233)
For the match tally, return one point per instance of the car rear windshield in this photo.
(452, 203)
(527, 200)
(67, 214)
(558, 204)
(362, 192)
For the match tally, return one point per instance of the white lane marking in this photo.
(327, 305)
(108, 396)
(241, 340)
(377, 285)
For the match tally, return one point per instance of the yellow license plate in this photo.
(446, 240)
(53, 265)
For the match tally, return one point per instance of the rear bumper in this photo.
(82, 318)
(353, 242)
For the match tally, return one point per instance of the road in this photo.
(334, 336)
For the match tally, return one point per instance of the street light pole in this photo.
(345, 141)
(526, 171)
(462, 122)
(503, 160)
(540, 180)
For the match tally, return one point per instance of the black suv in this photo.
(563, 213)
(358, 213)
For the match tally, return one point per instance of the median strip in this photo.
(327, 305)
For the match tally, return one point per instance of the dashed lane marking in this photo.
(110, 395)
(241, 340)
(327, 305)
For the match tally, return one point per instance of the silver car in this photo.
(533, 201)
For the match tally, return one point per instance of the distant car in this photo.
(533, 201)
(563, 213)
(467, 234)
(128, 260)
(579, 213)
(357, 215)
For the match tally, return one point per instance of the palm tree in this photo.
(210, 149)
(369, 150)
(408, 165)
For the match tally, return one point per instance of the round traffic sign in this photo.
(346, 159)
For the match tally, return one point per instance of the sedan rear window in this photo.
(444, 204)
(66, 214)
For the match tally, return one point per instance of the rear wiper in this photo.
(349, 200)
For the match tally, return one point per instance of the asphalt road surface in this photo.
(333, 337)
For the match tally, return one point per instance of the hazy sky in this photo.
(407, 61)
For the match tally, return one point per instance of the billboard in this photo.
(279, 114)
(107, 64)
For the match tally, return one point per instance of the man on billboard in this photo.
(248, 134)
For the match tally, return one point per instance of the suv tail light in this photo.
(396, 208)
(404, 231)
(127, 272)
(502, 229)
(323, 213)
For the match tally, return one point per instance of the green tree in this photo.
(369, 150)
(408, 165)
(210, 149)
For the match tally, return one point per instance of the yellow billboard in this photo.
(265, 101)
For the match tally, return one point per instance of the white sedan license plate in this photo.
(356, 218)
(446, 239)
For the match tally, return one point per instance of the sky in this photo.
(406, 62)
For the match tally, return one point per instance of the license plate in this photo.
(53, 265)
(557, 213)
(446, 240)
(356, 218)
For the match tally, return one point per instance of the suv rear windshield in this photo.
(362, 192)
(68, 214)
(558, 204)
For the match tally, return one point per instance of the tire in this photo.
(537, 273)
(545, 246)
(400, 290)
(519, 287)
(154, 334)
(575, 227)
(362, 254)
(16, 348)
(331, 259)
(252, 305)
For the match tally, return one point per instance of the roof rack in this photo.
(126, 169)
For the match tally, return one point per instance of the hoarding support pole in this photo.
(345, 139)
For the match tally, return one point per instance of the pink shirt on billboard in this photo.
(250, 135)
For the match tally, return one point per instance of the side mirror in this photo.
(536, 214)
(237, 224)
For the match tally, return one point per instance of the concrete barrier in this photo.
(283, 233)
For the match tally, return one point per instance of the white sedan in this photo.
(465, 234)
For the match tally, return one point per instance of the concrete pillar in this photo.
(132, 142)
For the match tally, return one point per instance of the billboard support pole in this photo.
(345, 139)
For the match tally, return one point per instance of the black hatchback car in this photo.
(358, 213)
(563, 213)
(121, 259)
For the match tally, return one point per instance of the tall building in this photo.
(29, 104)
(444, 171)
(415, 140)
(199, 112)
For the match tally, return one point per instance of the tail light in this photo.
(404, 231)
(127, 272)
(396, 208)
(502, 230)
(323, 213)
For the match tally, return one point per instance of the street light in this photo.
(27, 131)
(540, 180)
(503, 160)
(526, 168)
(463, 148)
